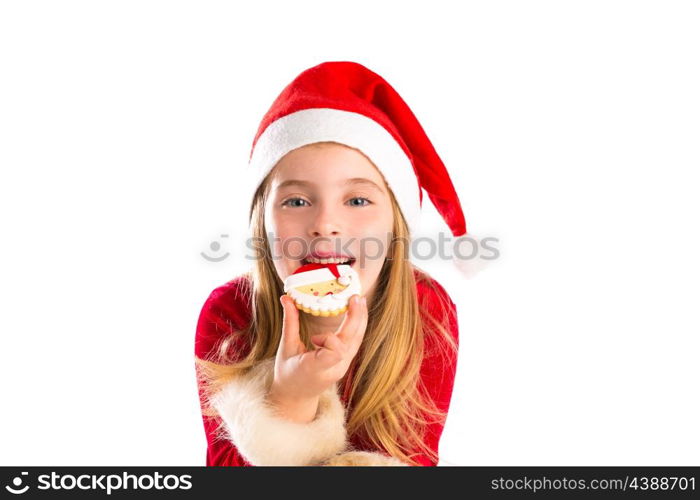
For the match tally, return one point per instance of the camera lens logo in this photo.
(215, 246)
(17, 483)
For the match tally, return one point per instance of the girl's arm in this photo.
(248, 430)
(224, 310)
(220, 451)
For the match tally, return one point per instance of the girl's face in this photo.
(329, 200)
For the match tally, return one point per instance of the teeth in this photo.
(327, 261)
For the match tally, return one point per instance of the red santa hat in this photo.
(345, 102)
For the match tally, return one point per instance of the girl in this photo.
(340, 162)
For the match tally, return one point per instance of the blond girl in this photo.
(341, 164)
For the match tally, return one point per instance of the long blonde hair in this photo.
(388, 403)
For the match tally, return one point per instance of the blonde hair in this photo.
(389, 405)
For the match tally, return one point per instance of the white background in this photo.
(571, 133)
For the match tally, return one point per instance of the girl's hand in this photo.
(301, 376)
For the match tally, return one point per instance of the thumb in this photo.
(290, 343)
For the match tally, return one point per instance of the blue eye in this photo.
(287, 202)
(362, 205)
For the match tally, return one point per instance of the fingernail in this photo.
(364, 301)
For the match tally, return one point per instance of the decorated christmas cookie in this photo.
(323, 289)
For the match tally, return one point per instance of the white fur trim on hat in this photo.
(358, 131)
(264, 438)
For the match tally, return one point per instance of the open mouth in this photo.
(331, 260)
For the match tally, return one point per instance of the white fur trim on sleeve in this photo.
(264, 438)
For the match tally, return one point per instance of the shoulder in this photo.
(436, 308)
(226, 309)
(432, 296)
(439, 365)
(238, 290)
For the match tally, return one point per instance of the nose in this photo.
(324, 223)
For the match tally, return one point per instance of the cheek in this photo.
(375, 230)
(287, 226)
(286, 241)
(374, 241)
(289, 248)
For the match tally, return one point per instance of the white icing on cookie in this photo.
(329, 302)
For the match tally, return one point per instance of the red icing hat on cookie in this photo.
(314, 273)
(333, 268)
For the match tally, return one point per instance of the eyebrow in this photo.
(349, 182)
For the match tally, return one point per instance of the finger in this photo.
(352, 320)
(319, 339)
(326, 358)
(353, 340)
(329, 341)
(332, 342)
(360, 333)
(320, 359)
(290, 343)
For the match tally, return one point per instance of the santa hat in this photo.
(345, 102)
